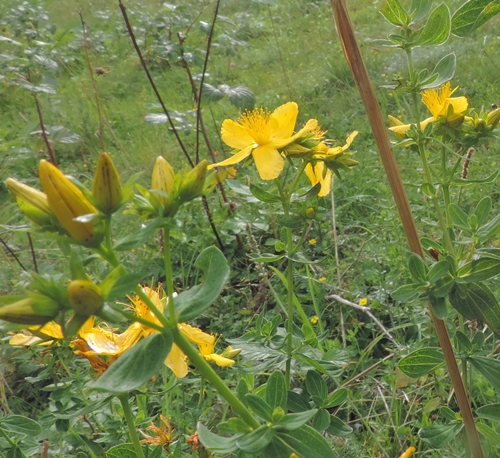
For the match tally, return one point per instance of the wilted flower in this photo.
(163, 434)
(262, 135)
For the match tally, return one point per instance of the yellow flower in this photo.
(312, 241)
(207, 351)
(163, 432)
(322, 279)
(50, 329)
(363, 301)
(442, 107)
(317, 171)
(314, 319)
(262, 134)
(409, 452)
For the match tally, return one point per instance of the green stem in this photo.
(9, 440)
(211, 376)
(314, 301)
(167, 259)
(129, 418)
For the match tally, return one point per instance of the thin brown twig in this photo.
(358, 69)
(9, 249)
(152, 83)
(32, 249)
(94, 82)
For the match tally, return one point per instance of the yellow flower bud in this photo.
(29, 195)
(163, 180)
(30, 310)
(107, 187)
(67, 202)
(37, 216)
(193, 182)
(231, 352)
(494, 118)
(85, 297)
(310, 213)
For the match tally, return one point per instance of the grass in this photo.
(281, 52)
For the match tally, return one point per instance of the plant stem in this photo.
(129, 418)
(210, 375)
(169, 279)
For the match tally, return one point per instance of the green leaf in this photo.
(192, 303)
(439, 435)
(437, 28)
(124, 284)
(76, 266)
(14, 452)
(338, 427)
(306, 442)
(123, 451)
(136, 366)
(478, 303)
(459, 217)
(263, 195)
(261, 408)
(93, 407)
(317, 388)
(241, 391)
(489, 368)
(137, 238)
(321, 420)
(489, 253)
(442, 287)
(489, 434)
(478, 270)
(463, 340)
(472, 15)
(238, 425)
(211, 93)
(407, 293)
(443, 72)
(489, 412)
(439, 306)
(276, 392)
(297, 403)
(482, 210)
(20, 425)
(395, 13)
(336, 398)
(215, 443)
(256, 440)
(241, 97)
(292, 421)
(419, 9)
(421, 362)
(418, 269)
(438, 271)
(267, 257)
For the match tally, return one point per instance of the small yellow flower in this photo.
(312, 241)
(322, 279)
(363, 301)
(262, 135)
(409, 452)
(314, 319)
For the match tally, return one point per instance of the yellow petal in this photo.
(19, 339)
(349, 140)
(176, 362)
(196, 335)
(459, 104)
(235, 158)
(219, 360)
(286, 116)
(235, 135)
(309, 171)
(326, 182)
(268, 161)
(310, 126)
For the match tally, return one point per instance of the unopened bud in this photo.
(67, 202)
(163, 179)
(30, 310)
(231, 352)
(494, 118)
(30, 195)
(107, 187)
(278, 414)
(310, 213)
(193, 182)
(85, 297)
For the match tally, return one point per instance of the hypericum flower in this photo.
(363, 301)
(262, 135)
(324, 159)
(207, 351)
(314, 319)
(24, 338)
(163, 432)
(442, 107)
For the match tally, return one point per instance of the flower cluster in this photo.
(269, 138)
(102, 345)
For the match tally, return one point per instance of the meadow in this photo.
(314, 323)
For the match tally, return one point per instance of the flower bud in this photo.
(30, 310)
(310, 213)
(29, 195)
(163, 180)
(37, 216)
(278, 414)
(67, 202)
(193, 182)
(85, 297)
(231, 352)
(494, 118)
(107, 187)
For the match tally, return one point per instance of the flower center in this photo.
(256, 123)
